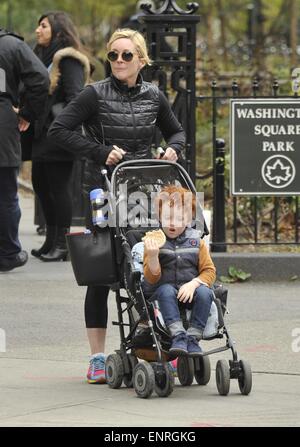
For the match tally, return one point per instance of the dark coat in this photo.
(111, 112)
(69, 72)
(126, 116)
(18, 64)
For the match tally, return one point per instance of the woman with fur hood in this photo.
(59, 48)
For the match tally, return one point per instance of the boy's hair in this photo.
(178, 195)
(136, 37)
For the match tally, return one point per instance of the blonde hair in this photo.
(136, 37)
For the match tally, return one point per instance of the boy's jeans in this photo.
(166, 295)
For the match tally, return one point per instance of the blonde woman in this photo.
(120, 115)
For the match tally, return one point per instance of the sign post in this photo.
(265, 147)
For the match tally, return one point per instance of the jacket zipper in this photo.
(134, 121)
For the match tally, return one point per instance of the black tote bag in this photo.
(92, 257)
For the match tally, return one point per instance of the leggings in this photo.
(95, 307)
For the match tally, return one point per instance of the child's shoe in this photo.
(96, 371)
(179, 345)
(193, 347)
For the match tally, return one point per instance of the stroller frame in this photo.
(123, 366)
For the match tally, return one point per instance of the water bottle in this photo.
(97, 198)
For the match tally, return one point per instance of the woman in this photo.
(59, 48)
(119, 115)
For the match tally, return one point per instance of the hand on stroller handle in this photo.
(166, 154)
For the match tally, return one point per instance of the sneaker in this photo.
(193, 347)
(179, 344)
(172, 365)
(96, 372)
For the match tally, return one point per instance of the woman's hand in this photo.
(115, 156)
(186, 291)
(23, 124)
(170, 155)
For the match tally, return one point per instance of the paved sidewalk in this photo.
(42, 372)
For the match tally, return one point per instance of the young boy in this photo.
(181, 271)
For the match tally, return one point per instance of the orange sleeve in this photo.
(149, 276)
(207, 269)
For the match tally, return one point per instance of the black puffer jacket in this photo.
(126, 116)
(114, 114)
(18, 64)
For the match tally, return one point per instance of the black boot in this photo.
(48, 244)
(59, 251)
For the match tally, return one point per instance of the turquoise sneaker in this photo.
(173, 367)
(96, 371)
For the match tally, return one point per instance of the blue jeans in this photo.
(10, 213)
(166, 295)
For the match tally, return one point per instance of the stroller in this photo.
(133, 217)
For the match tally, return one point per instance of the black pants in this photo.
(52, 184)
(10, 213)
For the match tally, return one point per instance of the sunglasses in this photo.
(126, 56)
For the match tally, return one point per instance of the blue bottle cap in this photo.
(96, 193)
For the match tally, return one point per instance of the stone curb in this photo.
(262, 266)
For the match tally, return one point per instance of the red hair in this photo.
(178, 195)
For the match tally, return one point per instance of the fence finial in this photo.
(170, 7)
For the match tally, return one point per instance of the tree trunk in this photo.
(210, 41)
(293, 32)
(9, 13)
(221, 14)
(259, 41)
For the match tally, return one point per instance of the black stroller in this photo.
(133, 215)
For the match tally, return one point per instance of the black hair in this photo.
(63, 28)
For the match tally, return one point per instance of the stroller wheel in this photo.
(202, 370)
(223, 377)
(114, 370)
(164, 380)
(127, 379)
(143, 380)
(245, 378)
(185, 370)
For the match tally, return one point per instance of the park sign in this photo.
(265, 146)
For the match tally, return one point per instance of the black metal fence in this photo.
(171, 32)
(243, 220)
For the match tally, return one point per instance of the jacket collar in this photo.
(4, 32)
(123, 88)
(187, 233)
(55, 72)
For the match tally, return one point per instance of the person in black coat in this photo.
(18, 65)
(59, 48)
(120, 115)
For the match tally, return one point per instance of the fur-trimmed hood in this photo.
(55, 71)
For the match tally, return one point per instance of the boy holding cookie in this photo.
(178, 269)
